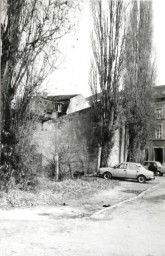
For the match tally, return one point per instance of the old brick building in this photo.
(156, 151)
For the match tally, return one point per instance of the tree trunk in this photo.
(99, 158)
(57, 167)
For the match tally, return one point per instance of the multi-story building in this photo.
(156, 151)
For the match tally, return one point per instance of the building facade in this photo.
(156, 151)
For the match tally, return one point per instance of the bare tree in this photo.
(30, 32)
(139, 76)
(106, 68)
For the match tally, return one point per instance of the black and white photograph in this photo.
(82, 121)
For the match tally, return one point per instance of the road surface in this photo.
(135, 228)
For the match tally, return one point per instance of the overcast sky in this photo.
(72, 77)
(159, 39)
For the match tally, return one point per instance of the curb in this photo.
(96, 215)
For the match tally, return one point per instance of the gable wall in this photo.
(74, 137)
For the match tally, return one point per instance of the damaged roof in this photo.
(56, 98)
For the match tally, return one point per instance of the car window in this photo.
(122, 166)
(134, 166)
(158, 164)
(152, 166)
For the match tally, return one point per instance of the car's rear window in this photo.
(158, 164)
(134, 166)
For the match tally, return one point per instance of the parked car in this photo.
(155, 167)
(127, 170)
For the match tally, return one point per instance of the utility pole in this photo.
(57, 170)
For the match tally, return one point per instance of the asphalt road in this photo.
(132, 228)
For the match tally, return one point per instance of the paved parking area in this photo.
(133, 229)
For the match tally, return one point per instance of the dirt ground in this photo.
(91, 226)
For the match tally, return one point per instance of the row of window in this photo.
(159, 131)
(159, 113)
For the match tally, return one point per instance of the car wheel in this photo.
(107, 176)
(141, 179)
(157, 173)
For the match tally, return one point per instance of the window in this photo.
(158, 164)
(158, 113)
(134, 167)
(122, 166)
(59, 108)
(159, 132)
(152, 165)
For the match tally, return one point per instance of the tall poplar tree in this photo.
(106, 67)
(139, 75)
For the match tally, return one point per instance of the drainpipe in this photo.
(57, 166)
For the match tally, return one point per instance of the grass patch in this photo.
(51, 193)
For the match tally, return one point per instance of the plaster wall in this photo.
(77, 103)
(75, 139)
